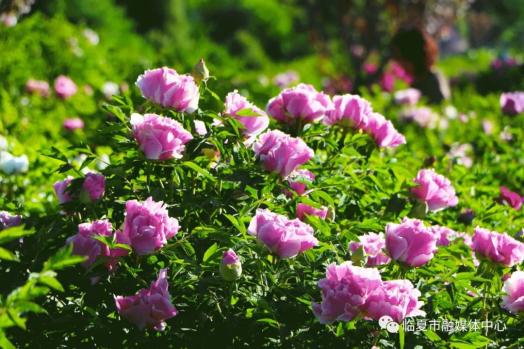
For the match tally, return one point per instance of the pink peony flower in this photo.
(408, 96)
(503, 63)
(487, 126)
(383, 132)
(281, 153)
(512, 103)
(396, 298)
(286, 79)
(61, 192)
(252, 118)
(444, 235)
(304, 210)
(410, 242)
(499, 248)
(373, 246)
(387, 82)
(159, 137)
(73, 124)
(392, 74)
(38, 87)
(230, 257)
(147, 225)
(284, 237)
(345, 291)
(166, 87)
(511, 198)
(370, 68)
(422, 116)
(85, 244)
(65, 87)
(297, 180)
(460, 153)
(8, 220)
(513, 301)
(148, 308)
(8, 19)
(94, 185)
(301, 102)
(434, 189)
(230, 267)
(349, 110)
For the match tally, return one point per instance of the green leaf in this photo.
(188, 248)
(7, 255)
(432, 336)
(27, 306)
(240, 227)
(271, 322)
(14, 233)
(340, 330)
(199, 170)
(4, 342)
(470, 340)
(247, 112)
(16, 318)
(209, 252)
(49, 279)
(62, 259)
(214, 95)
(117, 112)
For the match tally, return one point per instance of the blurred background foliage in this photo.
(255, 38)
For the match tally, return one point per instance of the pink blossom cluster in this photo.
(302, 103)
(147, 226)
(253, 119)
(159, 137)
(281, 153)
(513, 300)
(512, 103)
(149, 307)
(373, 247)
(497, 247)
(411, 242)
(8, 220)
(510, 198)
(434, 190)
(284, 237)
(349, 291)
(85, 243)
(93, 188)
(166, 87)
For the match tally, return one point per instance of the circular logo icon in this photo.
(392, 327)
(384, 321)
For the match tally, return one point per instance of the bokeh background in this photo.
(329, 46)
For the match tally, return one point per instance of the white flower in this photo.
(10, 164)
(3, 143)
(110, 89)
(91, 36)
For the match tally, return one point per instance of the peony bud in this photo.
(200, 71)
(230, 268)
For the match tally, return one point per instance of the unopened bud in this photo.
(200, 71)
(230, 267)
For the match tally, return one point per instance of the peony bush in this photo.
(186, 214)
